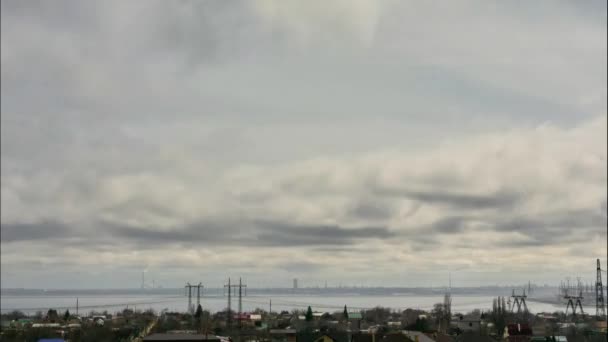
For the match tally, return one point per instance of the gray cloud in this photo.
(562, 227)
(449, 225)
(372, 210)
(568, 219)
(278, 234)
(49, 230)
(260, 234)
(548, 228)
(302, 267)
(496, 200)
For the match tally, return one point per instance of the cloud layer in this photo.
(350, 141)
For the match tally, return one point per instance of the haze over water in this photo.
(113, 303)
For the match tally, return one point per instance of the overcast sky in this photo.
(362, 142)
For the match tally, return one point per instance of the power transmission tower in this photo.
(198, 293)
(188, 288)
(230, 286)
(241, 286)
(229, 312)
(240, 300)
(599, 294)
(447, 312)
(574, 302)
(520, 301)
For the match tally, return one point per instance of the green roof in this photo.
(354, 315)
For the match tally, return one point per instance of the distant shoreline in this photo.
(542, 292)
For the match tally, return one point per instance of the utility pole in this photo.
(599, 294)
(76, 306)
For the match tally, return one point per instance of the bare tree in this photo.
(499, 315)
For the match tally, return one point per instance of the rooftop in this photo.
(283, 331)
(181, 337)
(421, 336)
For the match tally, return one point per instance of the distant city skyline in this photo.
(378, 142)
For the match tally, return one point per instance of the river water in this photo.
(174, 302)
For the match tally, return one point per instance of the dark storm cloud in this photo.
(19, 232)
